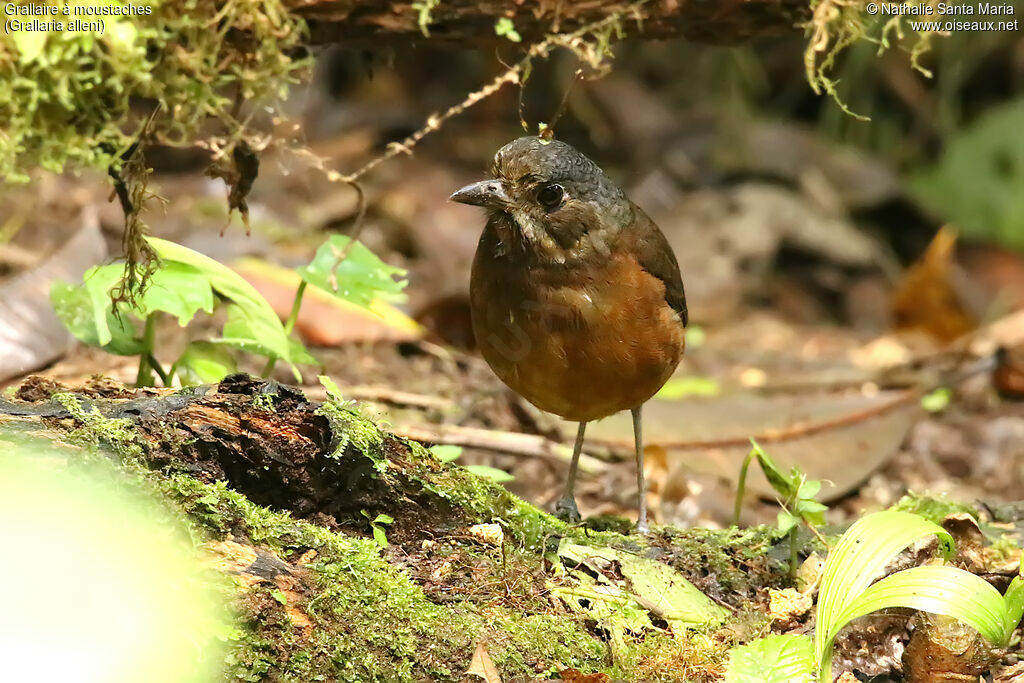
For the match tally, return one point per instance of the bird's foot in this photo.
(642, 528)
(566, 510)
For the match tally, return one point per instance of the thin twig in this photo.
(512, 443)
(572, 41)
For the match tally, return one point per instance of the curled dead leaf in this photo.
(970, 540)
(488, 534)
(788, 605)
(1008, 377)
(944, 649)
(809, 574)
(930, 298)
(482, 665)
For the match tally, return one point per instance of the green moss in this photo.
(94, 428)
(836, 25)
(350, 428)
(934, 508)
(544, 643)
(361, 593)
(65, 97)
(740, 560)
(372, 620)
(1005, 548)
(477, 498)
(265, 402)
(728, 555)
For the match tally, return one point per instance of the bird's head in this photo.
(550, 199)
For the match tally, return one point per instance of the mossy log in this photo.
(472, 23)
(285, 493)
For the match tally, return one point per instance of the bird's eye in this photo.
(550, 196)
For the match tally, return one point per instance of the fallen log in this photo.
(473, 23)
(358, 556)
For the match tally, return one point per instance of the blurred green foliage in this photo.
(113, 588)
(185, 283)
(978, 182)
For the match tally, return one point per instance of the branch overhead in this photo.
(470, 22)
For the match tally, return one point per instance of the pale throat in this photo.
(534, 238)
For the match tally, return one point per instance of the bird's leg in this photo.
(566, 508)
(638, 440)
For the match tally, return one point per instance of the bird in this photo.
(576, 299)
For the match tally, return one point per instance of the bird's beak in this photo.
(487, 193)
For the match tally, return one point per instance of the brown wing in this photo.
(655, 255)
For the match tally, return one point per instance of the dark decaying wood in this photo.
(265, 440)
(472, 23)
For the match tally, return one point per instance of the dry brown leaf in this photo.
(289, 587)
(788, 605)
(298, 618)
(1008, 378)
(482, 665)
(841, 438)
(1010, 674)
(969, 539)
(325, 320)
(488, 534)
(31, 335)
(928, 299)
(943, 649)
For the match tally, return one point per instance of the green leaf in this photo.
(775, 659)
(936, 401)
(809, 488)
(250, 330)
(204, 362)
(857, 559)
(446, 453)
(689, 386)
(811, 511)
(178, 289)
(383, 519)
(333, 390)
(492, 473)
(298, 353)
(225, 281)
(505, 27)
(361, 277)
(380, 537)
(98, 282)
(976, 182)
(1014, 602)
(278, 595)
(784, 484)
(90, 314)
(654, 585)
(950, 591)
(86, 310)
(252, 324)
(786, 521)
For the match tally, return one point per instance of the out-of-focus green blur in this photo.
(100, 583)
